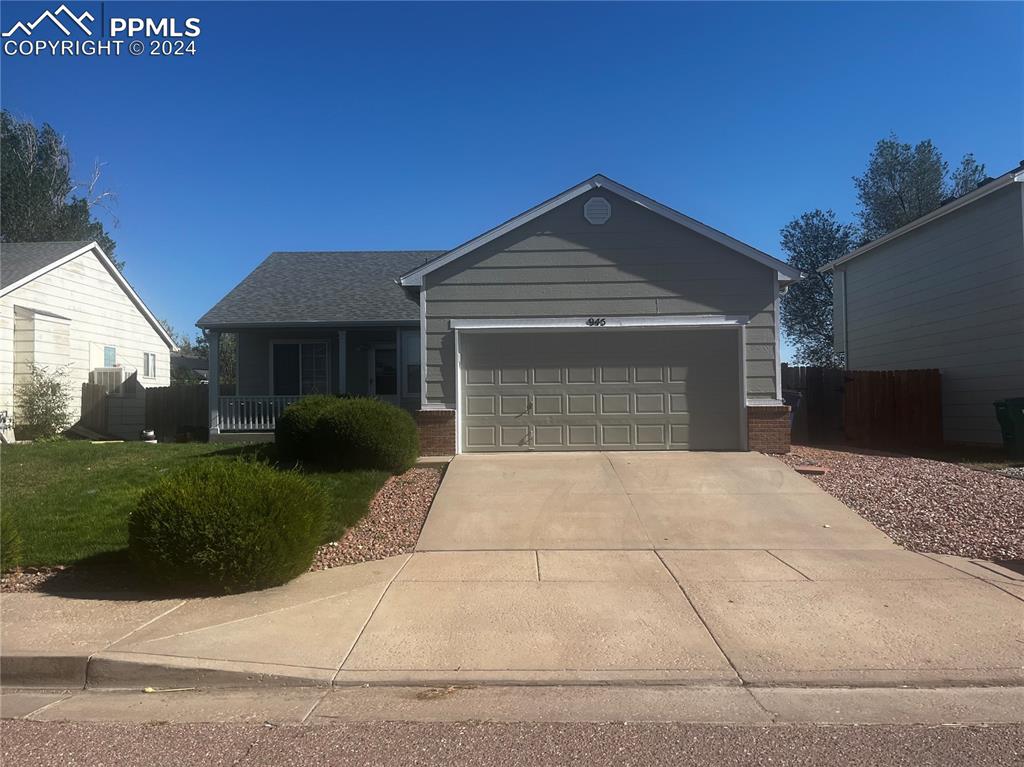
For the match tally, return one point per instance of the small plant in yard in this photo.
(42, 403)
(227, 526)
(348, 433)
(10, 544)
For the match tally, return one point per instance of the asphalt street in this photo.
(69, 744)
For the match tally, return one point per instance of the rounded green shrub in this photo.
(226, 526)
(294, 433)
(366, 433)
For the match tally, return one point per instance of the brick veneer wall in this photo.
(437, 431)
(768, 428)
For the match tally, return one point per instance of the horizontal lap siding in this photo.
(638, 263)
(949, 295)
(101, 313)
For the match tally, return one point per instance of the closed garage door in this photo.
(601, 389)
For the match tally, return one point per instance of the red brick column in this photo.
(768, 428)
(437, 431)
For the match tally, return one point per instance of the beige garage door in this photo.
(601, 389)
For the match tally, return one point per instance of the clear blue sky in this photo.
(326, 126)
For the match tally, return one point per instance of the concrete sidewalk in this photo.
(764, 617)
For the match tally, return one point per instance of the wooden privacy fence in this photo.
(893, 408)
(181, 411)
(871, 408)
(94, 407)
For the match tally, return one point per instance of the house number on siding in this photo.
(596, 322)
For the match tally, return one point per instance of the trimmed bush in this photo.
(294, 434)
(347, 433)
(366, 433)
(226, 526)
(10, 544)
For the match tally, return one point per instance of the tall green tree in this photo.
(904, 182)
(811, 241)
(39, 201)
(968, 176)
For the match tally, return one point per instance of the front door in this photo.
(384, 373)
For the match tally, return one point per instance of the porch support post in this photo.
(213, 339)
(342, 362)
(398, 363)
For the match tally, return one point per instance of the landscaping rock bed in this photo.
(391, 526)
(925, 505)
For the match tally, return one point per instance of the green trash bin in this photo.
(1010, 413)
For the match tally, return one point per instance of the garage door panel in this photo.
(513, 377)
(549, 436)
(615, 404)
(514, 404)
(480, 405)
(582, 404)
(614, 375)
(649, 404)
(548, 404)
(547, 376)
(635, 390)
(580, 375)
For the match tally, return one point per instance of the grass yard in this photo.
(70, 500)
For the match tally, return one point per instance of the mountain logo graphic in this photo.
(63, 18)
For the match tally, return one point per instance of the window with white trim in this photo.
(300, 368)
(109, 356)
(149, 365)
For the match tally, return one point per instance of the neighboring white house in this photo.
(64, 304)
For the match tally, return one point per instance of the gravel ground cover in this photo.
(392, 524)
(925, 505)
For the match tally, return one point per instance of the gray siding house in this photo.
(597, 320)
(945, 291)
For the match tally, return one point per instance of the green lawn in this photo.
(70, 500)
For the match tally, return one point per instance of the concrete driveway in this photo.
(712, 569)
(665, 500)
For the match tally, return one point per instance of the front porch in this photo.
(276, 366)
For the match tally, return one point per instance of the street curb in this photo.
(128, 670)
(44, 671)
(118, 670)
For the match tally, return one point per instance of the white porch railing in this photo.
(253, 413)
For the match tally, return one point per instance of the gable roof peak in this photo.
(786, 273)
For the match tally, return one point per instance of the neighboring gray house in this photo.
(945, 291)
(597, 320)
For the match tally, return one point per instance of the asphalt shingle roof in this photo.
(20, 259)
(338, 286)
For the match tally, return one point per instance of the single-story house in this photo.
(65, 305)
(597, 320)
(945, 291)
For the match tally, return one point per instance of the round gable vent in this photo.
(597, 210)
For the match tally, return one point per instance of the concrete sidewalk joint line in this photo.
(701, 619)
(369, 618)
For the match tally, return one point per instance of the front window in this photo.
(149, 365)
(300, 368)
(109, 356)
